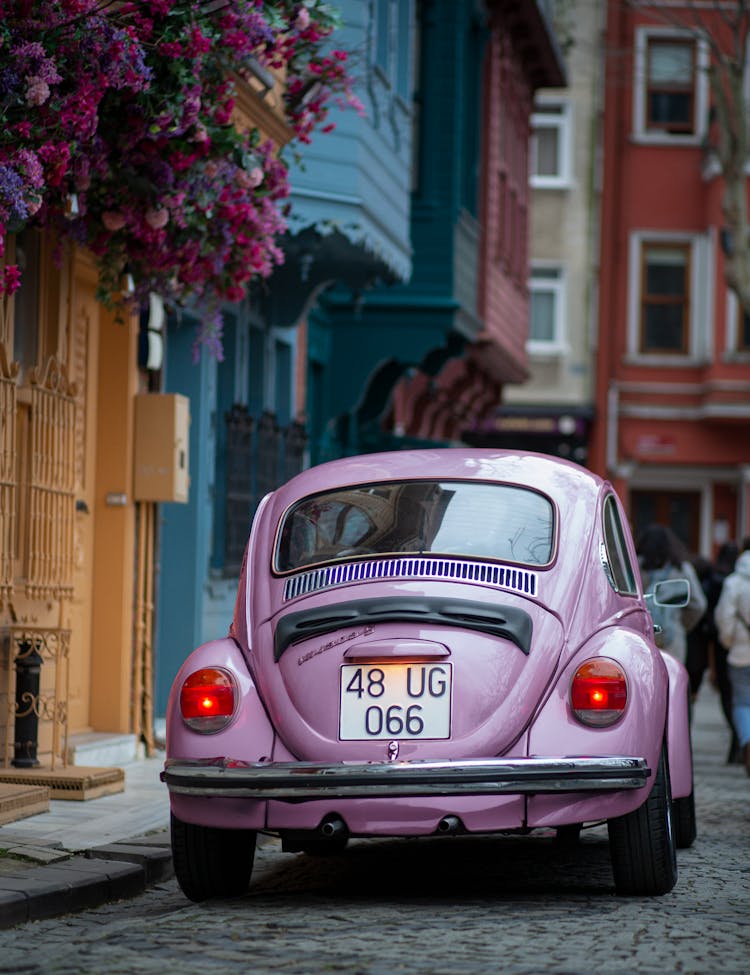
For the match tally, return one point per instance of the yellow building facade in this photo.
(76, 539)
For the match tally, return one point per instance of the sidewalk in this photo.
(84, 853)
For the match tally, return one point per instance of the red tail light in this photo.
(599, 692)
(207, 699)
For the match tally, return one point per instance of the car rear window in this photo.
(468, 518)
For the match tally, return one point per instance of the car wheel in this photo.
(210, 862)
(642, 843)
(685, 825)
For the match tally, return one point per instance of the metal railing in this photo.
(260, 456)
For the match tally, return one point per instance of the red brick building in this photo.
(672, 392)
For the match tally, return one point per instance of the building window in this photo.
(551, 144)
(670, 91)
(671, 95)
(738, 328)
(743, 336)
(26, 301)
(665, 299)
(546, 310)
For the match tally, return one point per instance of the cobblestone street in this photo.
(448, 907)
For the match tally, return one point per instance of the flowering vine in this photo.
(117, 131)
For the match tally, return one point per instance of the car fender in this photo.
(248, 737)
(679, 751)
(639, 732)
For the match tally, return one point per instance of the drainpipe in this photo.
(613, 404)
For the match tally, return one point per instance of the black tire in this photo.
(210, 862)
(685, 823)
(642, 843)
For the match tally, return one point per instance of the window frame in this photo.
(559, 288)
(641, 130)
(699, 342)
(562, 123)
(280, 561)
(734, 319)
(615, 547)
(647, 300)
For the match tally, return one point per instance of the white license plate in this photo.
(384, 701)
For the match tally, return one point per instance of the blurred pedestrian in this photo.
(717, 661)
(700, 638)
(733, 624)
(662, 556)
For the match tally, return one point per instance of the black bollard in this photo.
(28, 667)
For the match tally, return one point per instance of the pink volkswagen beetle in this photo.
(433, 642)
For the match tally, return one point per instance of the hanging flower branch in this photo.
(116, 130)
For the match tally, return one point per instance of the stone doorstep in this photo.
(101, 749)
(73, 782)
(20, 800)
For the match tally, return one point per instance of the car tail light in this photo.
(599, 692)
(207, 699)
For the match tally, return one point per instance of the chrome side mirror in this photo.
(671, 592)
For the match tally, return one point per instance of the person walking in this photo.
(717, 655)
(700, 638)
(661, 555)
(733, 624)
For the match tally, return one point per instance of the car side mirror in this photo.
(671, 592)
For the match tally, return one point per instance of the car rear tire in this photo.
(210, 862)
(685, 824)
(642, 843)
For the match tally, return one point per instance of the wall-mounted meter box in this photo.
(162, 428)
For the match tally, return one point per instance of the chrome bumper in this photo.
(303, 781)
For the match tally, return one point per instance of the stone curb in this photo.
(83, 881)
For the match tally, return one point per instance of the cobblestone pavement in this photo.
(511, 905)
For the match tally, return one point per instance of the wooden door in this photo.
(679, 510)
(83, 338)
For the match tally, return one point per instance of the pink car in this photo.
(433, 642)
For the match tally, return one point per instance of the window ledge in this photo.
(665, 361)
(550, 183)
(547, 350)
(666, 139)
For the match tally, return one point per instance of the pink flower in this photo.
(113, 220)
(12, 279)
(303, 19)
(37, 91)
(157, 218)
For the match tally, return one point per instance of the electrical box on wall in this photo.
(162, 428)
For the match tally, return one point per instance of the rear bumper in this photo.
(305, 781)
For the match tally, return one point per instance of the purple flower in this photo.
(13, 208)
(208, 334)
(9, 79)
(28, 162)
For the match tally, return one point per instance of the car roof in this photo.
(564, 481)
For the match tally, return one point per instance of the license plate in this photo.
(405, 701)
